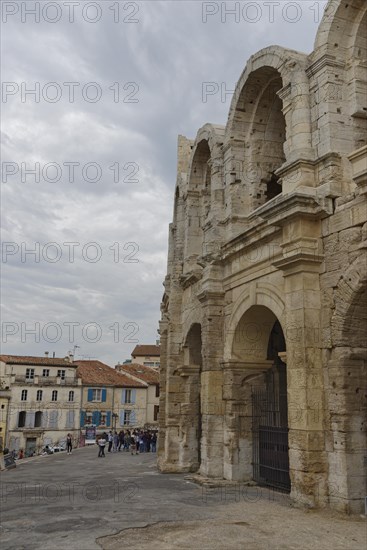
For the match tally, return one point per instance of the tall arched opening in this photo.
(193, 421)
(348, 393)
(259, 365)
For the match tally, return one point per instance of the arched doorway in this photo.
(270, 419)
(259, 366)
(193, 359)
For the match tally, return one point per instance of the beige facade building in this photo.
(147, 355)
(263, 331)
(44, 401)
(150, 378)
(4, 415)
(110, 400)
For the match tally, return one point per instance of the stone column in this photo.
(212, 376)
(300, 266)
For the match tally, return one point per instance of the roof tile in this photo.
(96, 372)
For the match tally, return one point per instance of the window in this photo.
(149, 363)
(127, 396)
(46, 372)
(156, 411)
(127, 418)
(21, 419)
(71, 396)
(103, 419)
(24, 395)
(88, 418)
(29, 374)
(54, 395)
(157, 391)
(38, 419)
(61, 374)
(39, 395)
(97, 395)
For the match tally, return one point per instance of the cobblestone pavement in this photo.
(84, 502)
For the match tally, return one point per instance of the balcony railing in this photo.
(46, 380)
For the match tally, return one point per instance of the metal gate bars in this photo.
(270, 431)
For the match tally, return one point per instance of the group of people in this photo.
(136, 441)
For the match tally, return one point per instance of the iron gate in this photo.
(270, 431)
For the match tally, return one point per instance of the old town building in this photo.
(110, 400)
(147, 354)
(263, 330)
(44, 401)
(150, 378)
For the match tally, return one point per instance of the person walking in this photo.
(101, 444)
(69, 444)
(110, 441)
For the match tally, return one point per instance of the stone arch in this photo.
(256, 394)
(342, 37)
(199, 198)
(262, 129)
(347, 371)
(350, 286)
(262, 294)
(338, 27)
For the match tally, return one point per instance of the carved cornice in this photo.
(188, 370)
(295, 205)
(244, 366)
(210, 295)
(326, 60)
(299, 262)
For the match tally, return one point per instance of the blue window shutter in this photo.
(104, 394)
(123, 396)
(133, 396)
(90, 394)
(122, 415)
(132, 418)
(82, 418)
(98, 418)
(108, 418)
(95, 418)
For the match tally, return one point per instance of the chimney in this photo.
(53, 355)
(46, 353)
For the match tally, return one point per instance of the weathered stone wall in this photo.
(270, 226)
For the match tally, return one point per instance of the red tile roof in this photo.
(147, 374)
(30, 360)
(152, 350)
(97, 373)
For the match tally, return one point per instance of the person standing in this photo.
(101, 444)
(121, 439)
(115, 442)
(69, 444)
(153, 442)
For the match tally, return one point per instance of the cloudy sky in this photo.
(94, 96)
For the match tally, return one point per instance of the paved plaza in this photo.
(122, 501)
